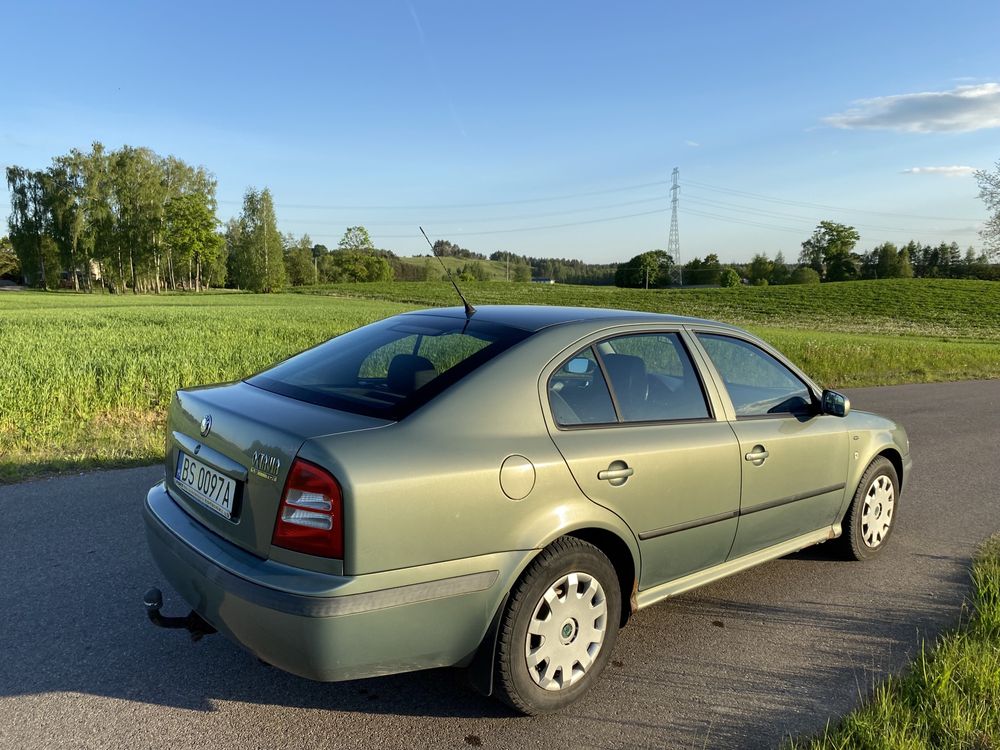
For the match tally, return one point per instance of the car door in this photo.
(649, 448)
(794, 458)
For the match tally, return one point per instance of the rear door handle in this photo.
(617, 473)
(757, 455)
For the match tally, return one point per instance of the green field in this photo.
(84, 379)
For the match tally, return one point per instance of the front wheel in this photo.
(559, 627)
(872, 515)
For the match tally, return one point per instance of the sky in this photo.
(547, 129)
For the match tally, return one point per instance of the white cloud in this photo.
(961, 109)
(952, 171)
(692, 144)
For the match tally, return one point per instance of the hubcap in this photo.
(876, 516)
(566, 631)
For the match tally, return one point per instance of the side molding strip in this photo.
(686, 525)
(791, 499)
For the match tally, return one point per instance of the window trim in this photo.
(811, 387)
(593, 344)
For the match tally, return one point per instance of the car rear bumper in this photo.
(326, 627)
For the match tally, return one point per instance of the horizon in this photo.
(538, 131)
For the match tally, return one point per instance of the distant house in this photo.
(543, 281)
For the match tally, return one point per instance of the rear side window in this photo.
(389, 368)
(653, 378)
(758, 384)
(578, 393)
(651, 375)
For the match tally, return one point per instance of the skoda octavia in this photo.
(501, 489)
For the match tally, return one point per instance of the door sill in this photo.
(701, 577)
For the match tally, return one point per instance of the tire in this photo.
(870, 519)
(569, 650)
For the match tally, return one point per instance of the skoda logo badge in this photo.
(206, 425)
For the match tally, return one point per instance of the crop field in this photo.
(922, 307)
(85, 379)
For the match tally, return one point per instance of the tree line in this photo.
(128, 217)
(132, 219)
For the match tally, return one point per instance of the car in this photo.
(502, 489)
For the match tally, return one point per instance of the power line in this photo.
(520, 229)
(447, 222)
(425, 207)
(738, 208)
(825, 207)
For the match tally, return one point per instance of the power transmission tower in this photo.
(674, 241)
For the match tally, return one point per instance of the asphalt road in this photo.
(739, 664)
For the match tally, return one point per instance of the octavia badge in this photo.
(206, 425)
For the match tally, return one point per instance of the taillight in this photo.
(311, 514)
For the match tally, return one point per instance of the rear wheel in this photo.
(559, 627)
(871, 518)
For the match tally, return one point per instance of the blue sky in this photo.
(541, 128)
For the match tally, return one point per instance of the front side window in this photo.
(758, 384)
(652, 378)
(389, 368)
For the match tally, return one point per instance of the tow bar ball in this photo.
(192, 622)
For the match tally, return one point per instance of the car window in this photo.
(653, 378)
(389, 368)
(758, 384)
(578, 393)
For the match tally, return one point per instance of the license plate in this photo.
(205, 484)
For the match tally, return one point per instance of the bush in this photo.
(804, 275)
(729, 277)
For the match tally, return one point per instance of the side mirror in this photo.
(836, 404)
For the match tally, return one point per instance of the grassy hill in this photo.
(950, 308)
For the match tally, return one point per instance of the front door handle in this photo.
(757, 455)
(616, 474)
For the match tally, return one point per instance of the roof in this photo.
(535, 317)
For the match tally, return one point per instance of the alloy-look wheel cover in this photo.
(566, 631)
(876, 516)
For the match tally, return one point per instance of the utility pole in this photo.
(673, 240)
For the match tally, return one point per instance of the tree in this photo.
(65, 191)
(649, 269)
(989, 192)
(355, 239)
(28, 224)
(256, 259)
(190, 232)
(829, 251)
(760, 269)
(804, 275)
(10, 265)
(729, 278)
(345, 265)
(299, 262)
(779, 271)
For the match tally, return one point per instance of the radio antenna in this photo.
(469, 309)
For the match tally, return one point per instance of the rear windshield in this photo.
(389, 368)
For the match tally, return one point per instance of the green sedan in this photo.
(501, 489)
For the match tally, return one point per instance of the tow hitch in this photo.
(192, 622)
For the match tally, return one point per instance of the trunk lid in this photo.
(252, 440)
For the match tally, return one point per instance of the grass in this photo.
(921, 307)
(85, 379)
(950, 695)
